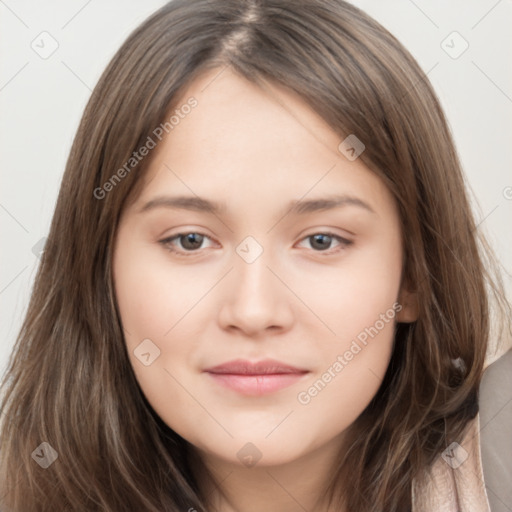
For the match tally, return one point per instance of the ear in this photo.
(410, 308)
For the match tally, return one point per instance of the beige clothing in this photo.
(456, 482)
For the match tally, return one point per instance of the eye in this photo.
(190, 242)
(322, 242)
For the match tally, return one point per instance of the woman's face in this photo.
(293, 253)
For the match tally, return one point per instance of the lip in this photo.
(256, 378)
(264, 367)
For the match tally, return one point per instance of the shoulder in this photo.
(476, 474)
(495, 403)
(455, 481)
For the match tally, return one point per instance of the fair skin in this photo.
(254, 152)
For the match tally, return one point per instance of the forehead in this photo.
(242, 143)
(239, 116)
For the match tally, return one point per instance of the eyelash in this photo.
(166, 242)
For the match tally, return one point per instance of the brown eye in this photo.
(184, 243)
(323, 242)
(191, 241)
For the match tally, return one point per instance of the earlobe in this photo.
(410, 308)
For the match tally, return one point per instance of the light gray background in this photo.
(42, 99)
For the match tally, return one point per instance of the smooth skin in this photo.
(302, 301)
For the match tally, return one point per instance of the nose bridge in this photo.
(251, 272)
(256, 299)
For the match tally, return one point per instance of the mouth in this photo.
(255, 379)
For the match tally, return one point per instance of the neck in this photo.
(293, 486)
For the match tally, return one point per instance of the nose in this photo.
(256, 300)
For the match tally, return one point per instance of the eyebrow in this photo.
(295, 207)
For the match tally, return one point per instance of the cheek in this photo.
(337, 396)
(153, 295)
(360, 306)
(153, 302)
(353, 296)
(362, 311)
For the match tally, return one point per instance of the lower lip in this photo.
(256, 384)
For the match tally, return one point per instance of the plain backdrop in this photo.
(53, 53)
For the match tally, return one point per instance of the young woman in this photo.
(262, 288)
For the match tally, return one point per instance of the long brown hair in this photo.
(69, 382)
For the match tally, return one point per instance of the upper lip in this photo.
(264, 367)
